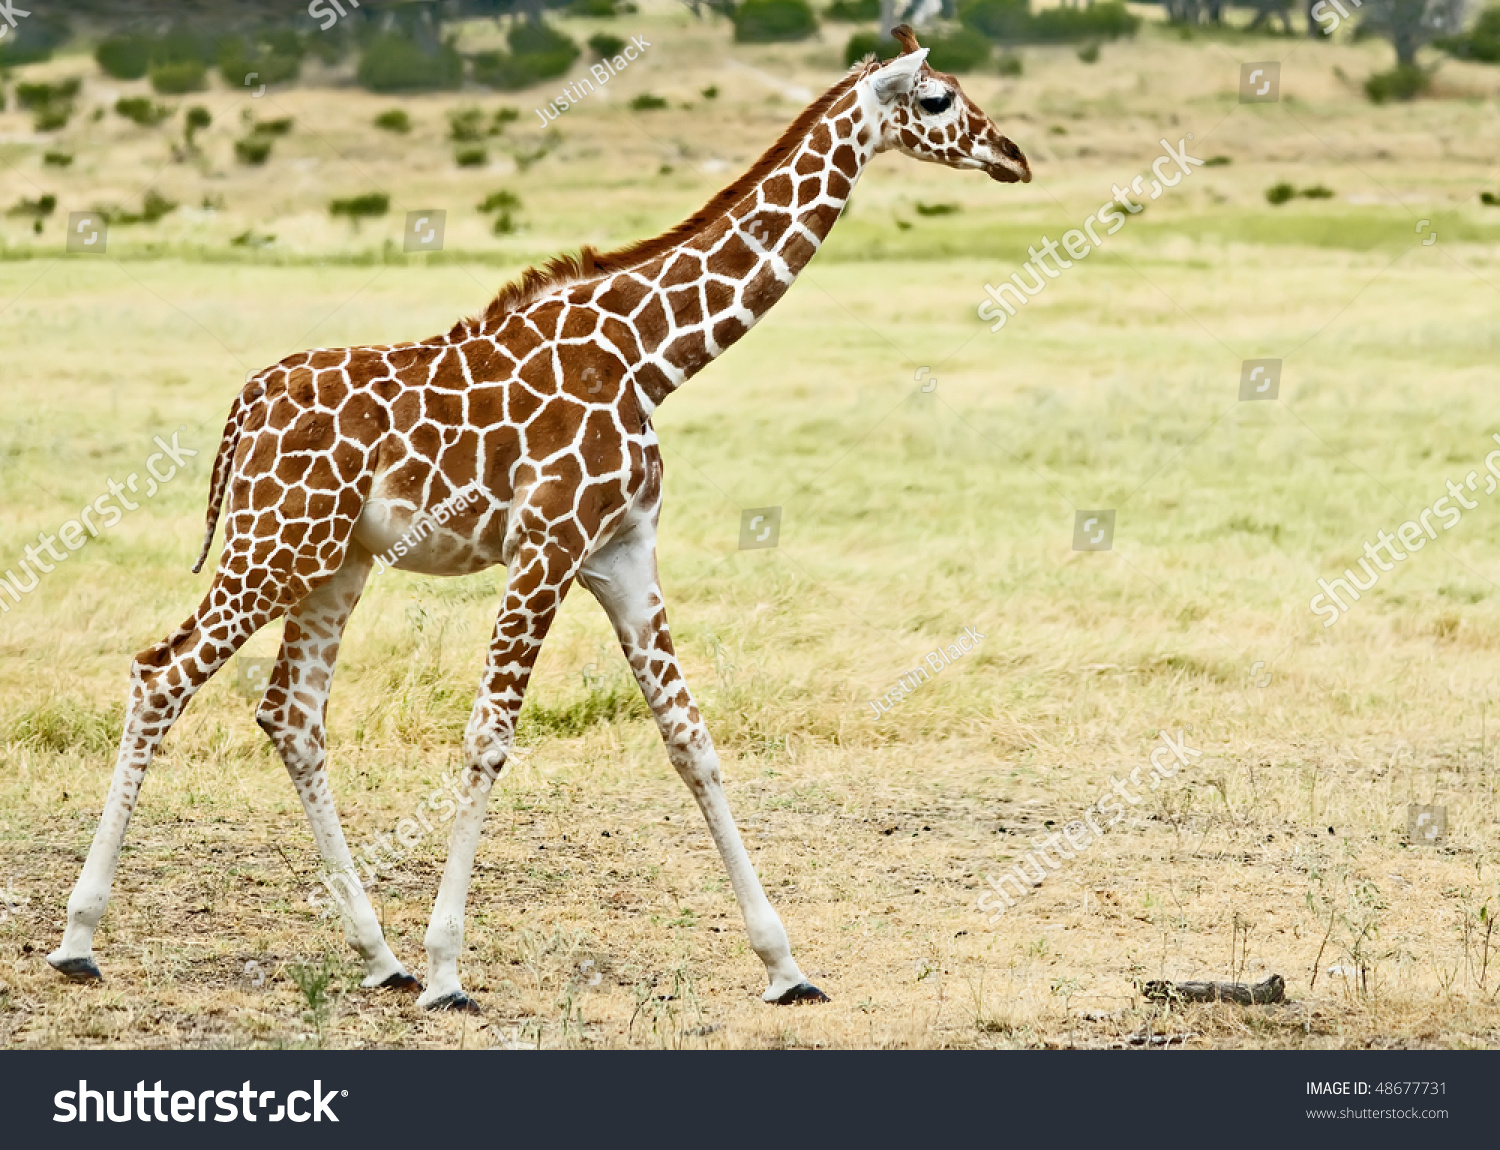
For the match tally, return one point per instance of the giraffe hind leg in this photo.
(294, 715)
(163, 679)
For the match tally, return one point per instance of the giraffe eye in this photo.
(935, 104)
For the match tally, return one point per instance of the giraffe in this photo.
(541, 407)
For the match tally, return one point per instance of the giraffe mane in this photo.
(589, 263)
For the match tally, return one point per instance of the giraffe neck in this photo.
(706, 292)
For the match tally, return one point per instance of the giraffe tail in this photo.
(223, 466)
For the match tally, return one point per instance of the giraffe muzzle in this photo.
(1010, 165)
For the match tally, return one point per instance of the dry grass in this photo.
(599, 914)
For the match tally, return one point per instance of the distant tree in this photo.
(1410, 24)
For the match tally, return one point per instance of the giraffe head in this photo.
(926, 115)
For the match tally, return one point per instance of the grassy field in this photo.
(599, 914)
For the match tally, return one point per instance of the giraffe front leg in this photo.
(539, 578)
(623, 577)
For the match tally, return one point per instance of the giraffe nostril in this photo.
(1009, 150)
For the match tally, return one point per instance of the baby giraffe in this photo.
(536, 415)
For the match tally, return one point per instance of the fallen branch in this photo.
(1272, 989)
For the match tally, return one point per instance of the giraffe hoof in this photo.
(402, 981)
(458, 1000)
(800, 995)
(77, 969)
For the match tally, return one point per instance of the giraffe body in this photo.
(543, 407)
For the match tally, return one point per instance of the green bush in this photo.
(997, 19)
(538, 52)
(1010, 65)
(1089, 53)
(31, 41)
(1317, 192)
(179, 77)
(1107, 21)
(863, 44)
(253, 150)
(36, 96)
(1403, 82)
(393, 63)
(282, 127)
(604, 45)
(646, 102)
(124, 55)
(473, 157)
(1012, 20)
(960, 51)
(465, 125)
(198, 117)
(57, 159)
(852, 11)
(601, 9)
(774, 21)
(39, 208)
(1482, 42)
(1280, 193)
(238, 57)
(1489, 199)
(142, 111)
(394, 120)
(502, 201)
(357, 208)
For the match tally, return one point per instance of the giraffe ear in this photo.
(898, 77)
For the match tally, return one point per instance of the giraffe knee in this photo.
(696, 760)
(301, 747)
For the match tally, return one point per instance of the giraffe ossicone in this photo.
(543, 404)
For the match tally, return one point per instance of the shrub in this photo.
(774, 21)
(1489, 199)
(601, 9)
(959, 51)
(57, 159)
(124, 55)
(280, 127)
(274, 58)
(1280, 193)
(1482, 42)
(1010, 65)
(475, 157)
(1012, 20)
(1403, 82)
(254, 150)
(142, 111)
(502, 201)
(36, 96)
(357, 208)
(852, 11)
(863, 44)
(198, 117)
(604, 45)
(1217, 162)
(1089, 53)
(711, 92)
(52, 117)
(31, 41)
(1107, 21)
(393, 63)
(646, 102)
(466, 125)
(937, 209)
(537, 52)
(393, 120)
(178, 77)
(39, 208)
(997, 19)
(1317, 192)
